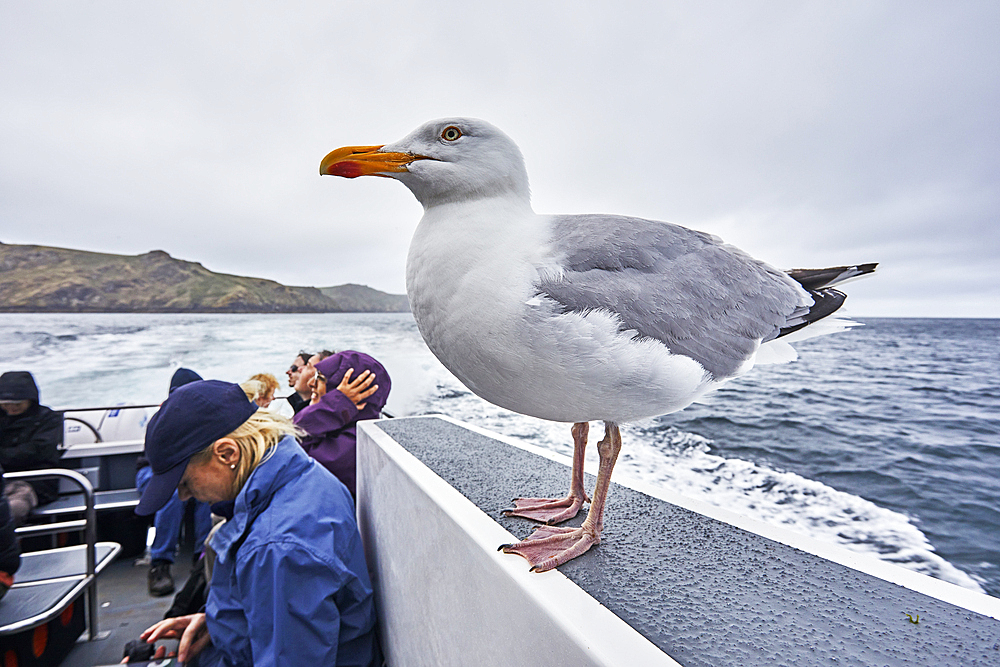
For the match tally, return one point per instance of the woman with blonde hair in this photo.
(260, 388)
(290, 584)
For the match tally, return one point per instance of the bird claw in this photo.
(546, 510)
(549, 547)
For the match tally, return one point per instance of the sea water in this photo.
(884, 439)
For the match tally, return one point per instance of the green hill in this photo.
(45, 279)
(363, 299)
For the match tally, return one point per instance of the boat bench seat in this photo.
(49, 581)
(44, 612)
(40, 617)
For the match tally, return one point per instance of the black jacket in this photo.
(297, 401)
(30, 441)
(10, 552)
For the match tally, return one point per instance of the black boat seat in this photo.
(46, 590)
(47, 582)
(63, 562)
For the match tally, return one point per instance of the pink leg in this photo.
(556, 510)
(550, 547)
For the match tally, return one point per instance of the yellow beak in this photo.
(354, 161)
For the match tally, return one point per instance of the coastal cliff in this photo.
(47, 279)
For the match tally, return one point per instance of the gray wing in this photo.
(690, 291)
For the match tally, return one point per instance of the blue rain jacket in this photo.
(290, 585)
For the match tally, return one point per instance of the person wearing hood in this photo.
(30, 436)
(168, 520)
(348, 387)
(10, 549)
(290, 585)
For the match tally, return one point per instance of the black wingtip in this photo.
(817, 279)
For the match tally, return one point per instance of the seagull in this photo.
(578, 318)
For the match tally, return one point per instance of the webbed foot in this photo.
(549, 547)
(547, 510)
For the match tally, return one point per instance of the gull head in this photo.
(442, 161)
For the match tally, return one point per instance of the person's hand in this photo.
(191, 629)
(159, 654)
(358, 390)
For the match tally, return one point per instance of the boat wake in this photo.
(681, 462)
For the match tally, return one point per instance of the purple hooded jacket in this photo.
(331, 423)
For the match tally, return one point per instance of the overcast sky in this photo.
(808, 134)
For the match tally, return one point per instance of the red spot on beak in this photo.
(347, 169)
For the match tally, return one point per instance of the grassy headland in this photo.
(46, 279)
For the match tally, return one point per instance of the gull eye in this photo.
(451, 133)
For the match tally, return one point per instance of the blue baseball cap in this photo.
(181, 377)
(193, 417)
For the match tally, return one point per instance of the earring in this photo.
(232, 466)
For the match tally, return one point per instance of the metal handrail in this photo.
(93, 429)
(52, 528)
(97, 434)
(89, 529)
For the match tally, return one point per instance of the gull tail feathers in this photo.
(778, 351)
(826, 300)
